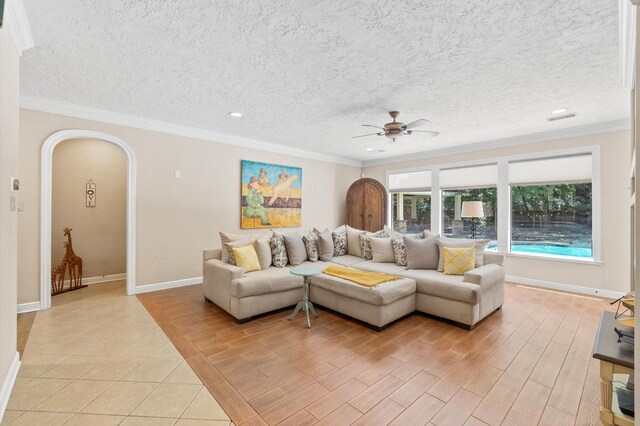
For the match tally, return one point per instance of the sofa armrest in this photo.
(212, 254)
(485, 275)
(221, 271)
(493, 258)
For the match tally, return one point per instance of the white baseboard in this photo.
(565, 287)
(7, 384)
(28, 307)
(100, 279)
(167, 285)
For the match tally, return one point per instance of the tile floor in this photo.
(98, 358)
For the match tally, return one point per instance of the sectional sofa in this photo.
(463, 299)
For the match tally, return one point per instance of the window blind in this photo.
(569, 169)
(410, 181)
(469, 177)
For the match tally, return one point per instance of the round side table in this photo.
(305, 304)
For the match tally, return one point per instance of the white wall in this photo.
(99, 233)
(613, 274)
(9, 95)
(176, 217)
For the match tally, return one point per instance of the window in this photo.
(410, 201)
(551, 206)
(411, 211)
(476, 183)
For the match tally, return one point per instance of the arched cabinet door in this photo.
(366, 205)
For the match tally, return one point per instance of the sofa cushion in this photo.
(310, 240)
(353, 241)
(459, 260)
(346, 260)
(247, 258)
(278, 250)
(382, 250)
(228, 238)
(385, 268)
(295, 248)
(270, 280)
(452, 287)
(228, 247)
(422, 253)
(479, 245)
(325, 245)
(382, 294)
(263, 249)
(339, 243)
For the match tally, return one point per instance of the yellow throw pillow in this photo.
(247, 258)
(457, 261)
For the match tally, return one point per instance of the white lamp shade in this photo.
(472, 209)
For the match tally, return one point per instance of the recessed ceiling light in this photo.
(369, 149)
(559, 111)
(235, 114)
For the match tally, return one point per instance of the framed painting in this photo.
(271, 195)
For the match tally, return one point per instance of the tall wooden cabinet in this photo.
(367, 205)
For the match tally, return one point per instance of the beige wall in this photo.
(176, 217)
(9, 89)
(613, 274)
(99, 233)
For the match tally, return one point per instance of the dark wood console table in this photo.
(615, 358)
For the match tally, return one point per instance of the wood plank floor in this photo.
(529, 363)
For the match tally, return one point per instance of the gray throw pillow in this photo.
(422, 253)
(263, 250)
(278, 250)
(382, 250)
(228, 247)
(353, 241)
(480, 246)
(295, 248)
(325, 245)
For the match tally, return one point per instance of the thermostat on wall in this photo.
(15, 184)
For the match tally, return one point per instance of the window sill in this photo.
(566, 259)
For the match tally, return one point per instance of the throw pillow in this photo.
(263, 249)
(479, 245)
(399, 251)
(353, 241)
(339, 243)
(228, 238)
(278, 250)
(382, 250)
(325, 245)
(457, 261)
(247, 258)
(310, 241)
(295, 248)
(422, 253)
(365, 243)
(228, 248)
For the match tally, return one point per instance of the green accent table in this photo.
(305, 304)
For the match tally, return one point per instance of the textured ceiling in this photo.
(307, 73)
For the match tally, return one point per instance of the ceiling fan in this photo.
(396, 129)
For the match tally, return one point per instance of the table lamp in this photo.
(473, 210)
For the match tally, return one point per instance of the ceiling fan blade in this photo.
(371, 125)
(426, 131)
(417, 123)
(370, 134)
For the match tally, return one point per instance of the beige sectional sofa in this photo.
(464, 299)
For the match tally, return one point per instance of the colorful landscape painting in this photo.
(271, 195)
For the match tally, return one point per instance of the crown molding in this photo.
(104, 116)
(18, 25)
(572, 132)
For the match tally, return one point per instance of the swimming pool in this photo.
(549, 249)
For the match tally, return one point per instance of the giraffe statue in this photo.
(74, 262)
(57, 276)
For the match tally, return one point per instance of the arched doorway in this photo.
(46, 163)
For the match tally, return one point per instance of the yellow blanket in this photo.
(365, 278)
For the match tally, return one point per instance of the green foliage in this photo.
(546, 199)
